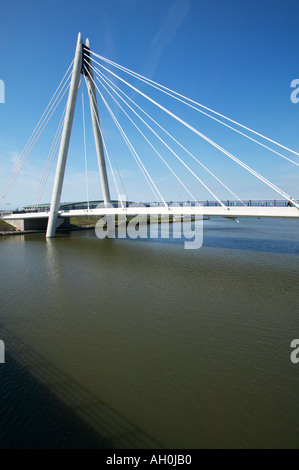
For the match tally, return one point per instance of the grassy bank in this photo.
(84, 221)
(90, 221)
(6, 227)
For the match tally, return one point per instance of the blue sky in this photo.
(237, 57)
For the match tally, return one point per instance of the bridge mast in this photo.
(65, 140)
(66, 134)
(96, 125)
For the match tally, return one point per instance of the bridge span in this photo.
(232, 212)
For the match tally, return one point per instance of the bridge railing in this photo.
(250, 203)
(227, 203)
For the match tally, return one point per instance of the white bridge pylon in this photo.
(66, 134)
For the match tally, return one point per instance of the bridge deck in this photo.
(212, 211)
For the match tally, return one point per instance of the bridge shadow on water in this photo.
(42, 407)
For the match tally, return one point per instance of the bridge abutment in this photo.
(39, 225)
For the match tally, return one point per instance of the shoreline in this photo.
(75, 228)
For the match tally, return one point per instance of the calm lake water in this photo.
(139, 343)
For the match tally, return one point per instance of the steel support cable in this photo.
(49, 162)
(128, 143)
(172, 151)
(51, 157)
(210, 141)
(52, 154)
(152, 146)
(176, 141)
(106, 150)
(31, 144)
(133, 151)
(112, 172)
(25, 157)
(162, 88)
(144, 171)
(221, 122)
(119, 175)
(46, 174)
(34, 134)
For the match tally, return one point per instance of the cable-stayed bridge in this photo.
(104, 76)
